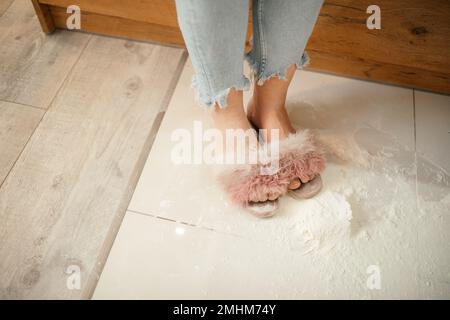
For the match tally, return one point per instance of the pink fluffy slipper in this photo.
(302, 156)
(247, 185)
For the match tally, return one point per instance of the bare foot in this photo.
(271, 118)
(234, 117)
(266, 110)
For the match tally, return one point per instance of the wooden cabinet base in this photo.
(411, 49)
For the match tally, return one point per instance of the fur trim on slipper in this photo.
(301, 155)
(298, 155)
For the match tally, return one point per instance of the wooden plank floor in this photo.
(33, 66)
(63, 200)
(17, 123)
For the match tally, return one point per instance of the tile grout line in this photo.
(170, 220)
(416, 186)
(414, 119)
(183, 223)
(415, 148)
(43, 115)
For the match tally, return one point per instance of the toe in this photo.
(272, 196)
(262, 197)
(304, 178)
(294, 184)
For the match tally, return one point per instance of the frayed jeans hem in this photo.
(209, 99)
(261, 77)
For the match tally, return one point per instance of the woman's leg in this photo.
(281, 32)
(214, 32)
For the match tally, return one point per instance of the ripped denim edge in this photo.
(208, 100)
(281, 73)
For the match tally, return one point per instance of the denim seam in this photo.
(199, 55)
(263, 49)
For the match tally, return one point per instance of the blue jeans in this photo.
(214, 32)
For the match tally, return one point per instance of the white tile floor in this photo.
(182, 239)
(433, 185)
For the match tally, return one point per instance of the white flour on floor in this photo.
(366, 192)
(322, 223)
(367, 214)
